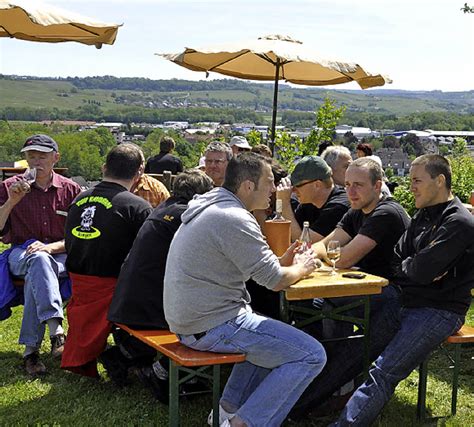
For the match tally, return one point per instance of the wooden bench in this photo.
(165, 178)
(184, 359)
(463, 336)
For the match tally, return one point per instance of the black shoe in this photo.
(159, 387)
(57, 345)
(33, 365)
(116, 365)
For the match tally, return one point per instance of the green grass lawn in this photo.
(62, 398)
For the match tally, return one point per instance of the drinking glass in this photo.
(30, 176)
(333, 253)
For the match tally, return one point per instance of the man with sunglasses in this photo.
(312, 182)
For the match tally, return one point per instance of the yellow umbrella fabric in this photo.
(275, 58)
(37, 21)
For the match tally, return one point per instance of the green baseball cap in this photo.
(310, 168)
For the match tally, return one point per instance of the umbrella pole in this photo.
(275, 102)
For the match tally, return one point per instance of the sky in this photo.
(419, 44)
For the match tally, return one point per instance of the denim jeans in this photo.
(346, 358)
(41, 291)
(421, 331)
(280, 363)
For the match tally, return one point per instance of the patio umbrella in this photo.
(37, 21)
(275, 58)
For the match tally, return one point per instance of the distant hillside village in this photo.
(394, 158)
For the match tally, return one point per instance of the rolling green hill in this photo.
(116, 93)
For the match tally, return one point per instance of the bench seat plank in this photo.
(168, 344)
(464, 335)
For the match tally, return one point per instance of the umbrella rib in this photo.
(228, 60)
(8, 32)
(85, 29)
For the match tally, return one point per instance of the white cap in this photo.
(240, 141)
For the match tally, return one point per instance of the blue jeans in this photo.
(346, 358)
(280, 363)
(421, 331)
(41, 291)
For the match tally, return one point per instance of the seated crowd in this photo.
(196, 262)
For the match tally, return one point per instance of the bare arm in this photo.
(338, 234)
(355, 250)
(284, 190)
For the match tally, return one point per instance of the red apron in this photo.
(88, 324)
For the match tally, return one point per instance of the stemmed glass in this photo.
(30, 176)
(333, 253)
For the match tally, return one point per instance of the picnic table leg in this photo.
(454, 394)
(216, 388)
(366, 336)
(173, 395)
(422, 379)
(284, 308)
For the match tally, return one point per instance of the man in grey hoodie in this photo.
(218, 247)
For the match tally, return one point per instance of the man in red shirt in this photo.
(35, 209)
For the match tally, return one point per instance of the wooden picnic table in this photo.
(321, 284)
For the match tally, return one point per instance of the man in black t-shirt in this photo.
(367, 234)
(164, 161)
(101, 225)
(312, 182)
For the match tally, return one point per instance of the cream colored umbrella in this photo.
(40, 22)
(275, 58)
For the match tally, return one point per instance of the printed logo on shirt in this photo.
(85, 230)
(168, 218)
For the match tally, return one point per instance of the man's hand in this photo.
(17, 191)
(284, 190)
(287, 258)
(38, 246)
(308, 261)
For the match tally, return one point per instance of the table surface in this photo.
(322, 285)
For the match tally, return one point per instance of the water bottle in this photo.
(305, 237)
(278, 211)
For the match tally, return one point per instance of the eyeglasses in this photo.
(305, 183)
(216, 161)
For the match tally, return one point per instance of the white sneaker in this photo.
(223, 417)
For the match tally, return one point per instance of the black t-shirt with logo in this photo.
(385, 225)
(101, 225)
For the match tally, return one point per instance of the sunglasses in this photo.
(305, 183)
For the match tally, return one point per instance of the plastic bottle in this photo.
(305, 237)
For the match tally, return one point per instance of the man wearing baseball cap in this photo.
(33, 210)
(239, 144)
(312, 182)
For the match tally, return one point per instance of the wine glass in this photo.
(30, 176)
(333, 253)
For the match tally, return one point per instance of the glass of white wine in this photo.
(30, 176)
(333, 253)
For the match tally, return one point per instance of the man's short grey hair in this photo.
(220, 147)
(331, 154)
(191, 182)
